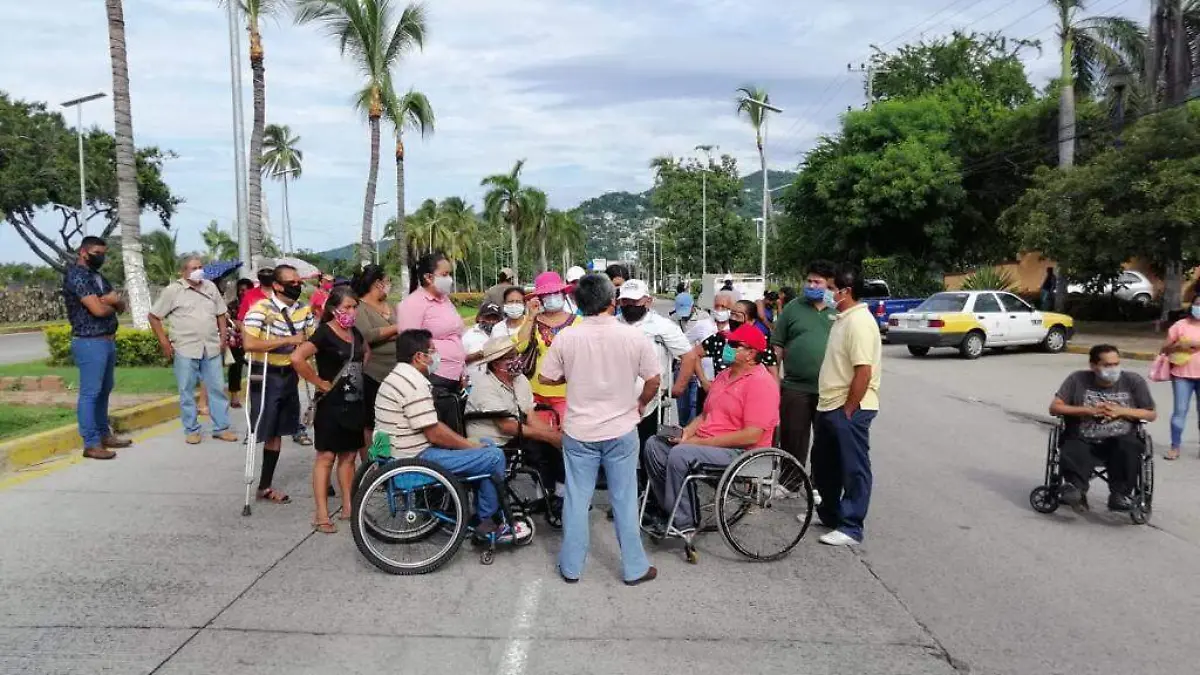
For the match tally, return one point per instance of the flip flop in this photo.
(274, 496)
(325, 528)
(1172, 455)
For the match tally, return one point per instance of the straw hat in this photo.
(495, 348)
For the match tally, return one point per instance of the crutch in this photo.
(252, 426)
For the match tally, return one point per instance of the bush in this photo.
(1109, 308)
(134, 347)
(466, 299)
(906, 278)
(988, 279)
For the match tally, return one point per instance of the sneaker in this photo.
(226, 435)
(816, 497)
(1119, 502)
(193, 439)
(507, 534)
(1070, 494)
(838, 538)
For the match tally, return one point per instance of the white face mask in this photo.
(196, 275)
(554, 302)
(444, 285)
(721, 315)
(514, 310)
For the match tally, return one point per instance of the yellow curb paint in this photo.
(21, 453)
(61, 462)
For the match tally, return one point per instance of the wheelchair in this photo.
(761, 503)
(1045, 497)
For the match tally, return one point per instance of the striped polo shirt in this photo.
(265, 321)
(404, 409)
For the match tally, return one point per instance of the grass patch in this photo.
(127, 380)
(22, 420)
(467, 312)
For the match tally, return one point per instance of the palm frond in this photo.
(752, 112)
(409, 34)
(1118, 43)
(411, 111)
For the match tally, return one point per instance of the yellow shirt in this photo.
(266, 321)
(853, 341)
(539, 389)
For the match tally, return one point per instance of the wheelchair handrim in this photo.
(758, 493)
(457, 526)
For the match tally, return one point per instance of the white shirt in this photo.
(669, 344)
(698, 331)
(502, 330)
(473, 340)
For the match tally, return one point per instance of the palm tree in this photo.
(128, 208)
(162, 262)
(752, 102)
(281, 158)
(414, 112)
(1092, 47)
(564, 233)
(365, 30)
(220, 245)
(503, 203)
(534, 211)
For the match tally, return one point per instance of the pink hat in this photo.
(548, 283)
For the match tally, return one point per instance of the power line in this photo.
(922, 23)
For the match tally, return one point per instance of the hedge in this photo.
(466, 299)
(134, 347)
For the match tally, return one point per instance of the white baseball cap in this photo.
(575, 274)
(633, 289)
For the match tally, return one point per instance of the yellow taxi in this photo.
(971, 321)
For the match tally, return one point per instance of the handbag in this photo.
(1160, 370)
(529, 357)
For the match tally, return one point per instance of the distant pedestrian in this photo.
(684, 304)
(600, 361)
(319, 296)
(375, 322)
(572, 277)
(617, 274)
(238, 355)
(197, 316)
(266, 278)
(504, 280)
(1181, 348)
(800, 338)
(1049, 288)
(848, 391)
(477, 336)
(92, 309)
(275, 327)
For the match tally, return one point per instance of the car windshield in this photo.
(944, 302)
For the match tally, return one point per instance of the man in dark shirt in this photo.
(1102, 407)
(92, 308)
(800, 337)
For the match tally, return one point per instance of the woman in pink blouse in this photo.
(1183, 343)
(429, 307)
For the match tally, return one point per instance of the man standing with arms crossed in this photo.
(848, 400)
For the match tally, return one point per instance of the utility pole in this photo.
(870, 72)
(78, 105)
(766, 198)
(707, 150)
(379, 239)
(233, 10)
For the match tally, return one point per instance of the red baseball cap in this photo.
(748, 335)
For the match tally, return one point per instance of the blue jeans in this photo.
(686, 404)
(1183, 388)
(187, 373)
(96, 359)
(841, 469)
(619, 457)
(486, 461)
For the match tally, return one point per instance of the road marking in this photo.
(63, 461)
(517, 650)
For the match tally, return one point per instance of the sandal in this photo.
(302, 440)
(1172, 454)
(326, 527)
(274, 496)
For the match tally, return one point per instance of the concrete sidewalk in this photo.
(1137, 347)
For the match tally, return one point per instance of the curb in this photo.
(1132, 355)
(22, 331)
(21, 453)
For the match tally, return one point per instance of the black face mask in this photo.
(634, 313)
(292, 291)
(734, 325)
(95, 260)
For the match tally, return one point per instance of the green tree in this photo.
(282, 157)
(989, 60)
(162, 261)
(221, 245)
(513, 204)
(375, 39)
(564, 234)
(677, 197)
(410, 111)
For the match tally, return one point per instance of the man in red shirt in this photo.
(320, 295)
(740, 413)
(266, 277)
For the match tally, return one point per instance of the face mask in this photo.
(95, 260)
(734, 325)
(1110, 374)
(814, 294)
(554, 303)
(514, 310)
(345, 318)
(1196, 311)
(196, 276)
(435, 362)
(487, 327)
(721, 315)
(292, 291)
(634, 313)
(830, 299)
(444, 285)
(728, 354)
(513, 367)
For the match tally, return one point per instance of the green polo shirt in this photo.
(802, 331)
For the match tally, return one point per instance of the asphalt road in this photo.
(145, 565)
(19, 347)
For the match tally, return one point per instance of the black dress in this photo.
(340, 414)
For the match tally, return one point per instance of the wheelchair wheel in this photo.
(764, 504)
(360, 474)
(1143, 496)
(409, 517)
(1044, 499)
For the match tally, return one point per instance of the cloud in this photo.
(587, 91)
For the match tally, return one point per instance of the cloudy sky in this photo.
(586, 90)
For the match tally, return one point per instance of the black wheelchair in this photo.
(411, 516)
(1045, 497)
(761, 503)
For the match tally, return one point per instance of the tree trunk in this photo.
(566, 258)
(1154, 52)
(254, 173)
(400, 236)
(369, 203)
(544, 263)
(1172, 288)
(128, 211)
(512, 230)
(1066, 104)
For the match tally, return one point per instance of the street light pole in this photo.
(378, 249)
(707, 150)
(78, 105)
(289, 241)
(766, 200)
(233, 13)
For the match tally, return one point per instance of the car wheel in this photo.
(916, 350)
(1056, 340)
(972, 346)
(1141, 299)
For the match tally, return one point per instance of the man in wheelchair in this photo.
(501, 407)
(1102, 408)
(404, 410)
(740, 413)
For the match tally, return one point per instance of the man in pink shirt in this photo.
(741, 412)
(600, 360)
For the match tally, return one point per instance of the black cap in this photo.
(489, 309)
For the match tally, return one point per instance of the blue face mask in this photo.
(1196, 311)
(814, 294)
(728, 354)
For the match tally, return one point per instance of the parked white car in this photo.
(1131, 286)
